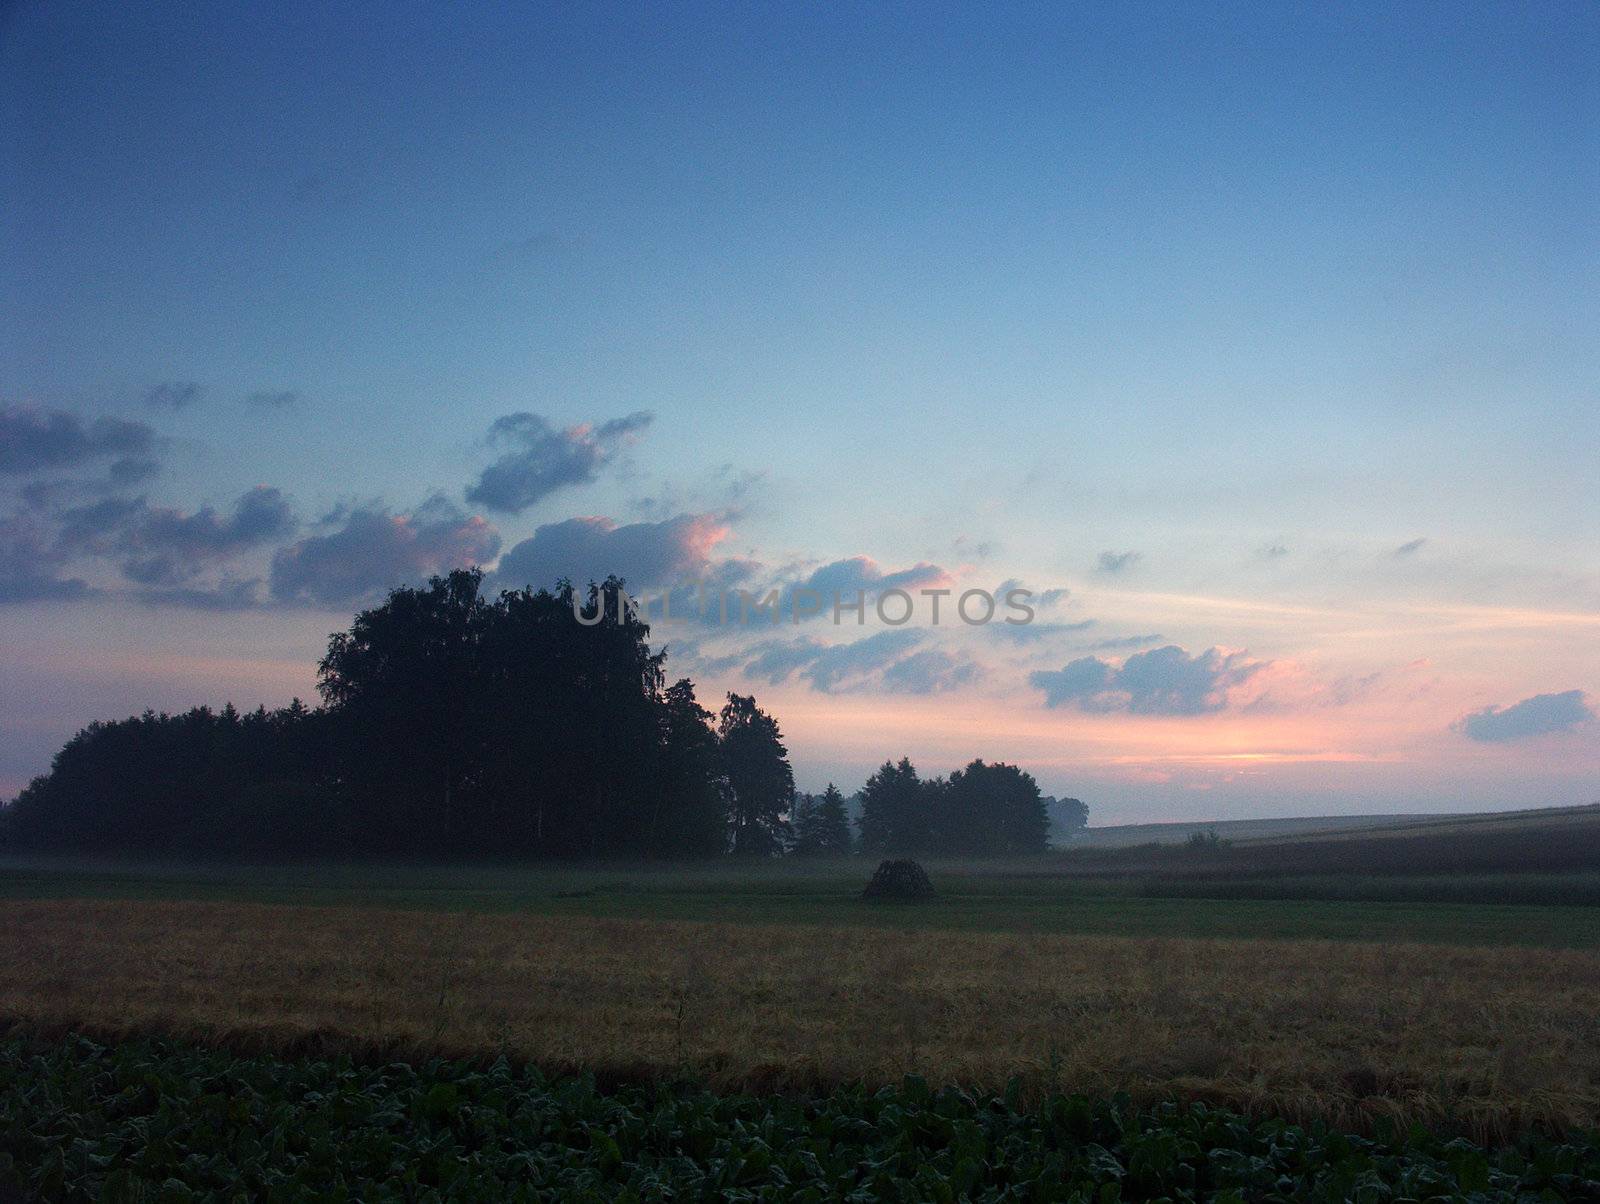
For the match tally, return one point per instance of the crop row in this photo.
(152, 1120)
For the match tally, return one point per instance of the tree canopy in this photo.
(821, 824)
(982, 810)
(457, 725)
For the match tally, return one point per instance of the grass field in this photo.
(1116, 836)
(1493, 1039)
(1443, 972)
(1296, 828)
(1049, 896)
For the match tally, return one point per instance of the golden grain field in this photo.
(1343, 1031)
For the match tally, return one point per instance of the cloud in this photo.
(29, 564)
(892, 662)
(671, 552)
(1041, 599)
(1115, 562)
(17, 590)
(1034, 633)
(1117, 643)
(161, 547)
(130, 470)
(173, 395)
(99, 528)
(778, 661)
(1537, 716)
(977, 549)
(226, 597)
(167, 546)
(371, 551)
(830, 667)
(844, 581)
(726, 489)
(931, 671)
(1163, 681)
(53, 494)
(545, 459)
(33, 440)
(1409, 549)
(283, 399)
(861, 573)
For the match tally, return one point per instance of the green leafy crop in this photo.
(150, 1120)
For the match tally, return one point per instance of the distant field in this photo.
(1025, 897)
(1116, 836)
(1350, 1032)
(1551, 843)
(1554, 821)
(1442, 970)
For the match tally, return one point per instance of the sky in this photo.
(1256, 341)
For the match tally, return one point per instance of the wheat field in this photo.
(1489, 1038)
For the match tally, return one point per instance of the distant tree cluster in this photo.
(456, 725)
(821, 824)
(1068, 817)
(212, 781)
(983, 810)
(452, 725)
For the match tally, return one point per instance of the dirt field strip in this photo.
(1342, 1031)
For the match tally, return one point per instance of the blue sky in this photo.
(994, 291)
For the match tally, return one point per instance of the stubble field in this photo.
(1490, 1039)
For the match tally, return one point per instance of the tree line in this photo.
(456, 725)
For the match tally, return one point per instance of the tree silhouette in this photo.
(993, 811)
(404, 685)
(692, 815)
(760, 781)
(803, 826)
(1068, 817)
(454, 725)
(895, 812)
(831, 825)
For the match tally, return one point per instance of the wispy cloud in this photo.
(273, 399)
(833, 667)
(1116, 562)
(1121, 642)
(173, 395)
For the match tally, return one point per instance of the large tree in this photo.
(405, 686)
(1068, 817)
(577, 724)
(830, 824)
(691, 819)
(992, 810)
(759, 779)
(821, 827)
(896, 816)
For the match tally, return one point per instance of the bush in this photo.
(899, 880)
